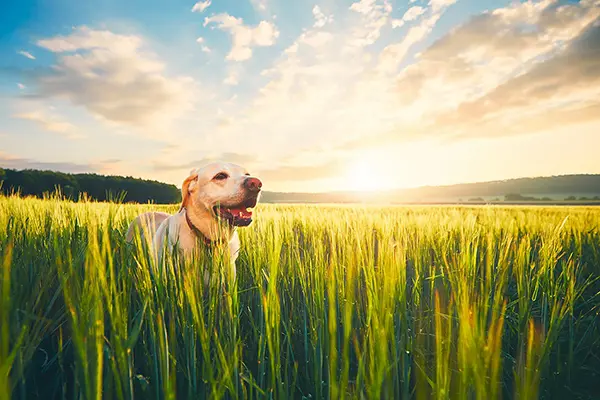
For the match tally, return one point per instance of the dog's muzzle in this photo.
(241, 214)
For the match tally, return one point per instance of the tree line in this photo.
(38, 183)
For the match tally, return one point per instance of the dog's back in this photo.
(146, 224)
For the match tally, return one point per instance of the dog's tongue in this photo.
(241, 212)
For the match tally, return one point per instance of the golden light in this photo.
(367, 174)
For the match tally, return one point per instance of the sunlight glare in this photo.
(366, 174)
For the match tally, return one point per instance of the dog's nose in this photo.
(253, 184)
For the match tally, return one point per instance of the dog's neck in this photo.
(201, 221)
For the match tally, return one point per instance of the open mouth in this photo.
(238, 215)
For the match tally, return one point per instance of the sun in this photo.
(365, 174)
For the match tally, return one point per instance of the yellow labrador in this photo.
(216, 199)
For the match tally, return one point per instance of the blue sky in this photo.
(310, 96)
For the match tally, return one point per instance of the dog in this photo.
(216, 200)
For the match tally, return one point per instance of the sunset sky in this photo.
(309, 96)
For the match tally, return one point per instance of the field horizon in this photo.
(568, 189)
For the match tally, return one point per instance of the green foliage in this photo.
(76, 186)
(519, 197)
(329, 303)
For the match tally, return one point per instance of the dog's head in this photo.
(227, 191)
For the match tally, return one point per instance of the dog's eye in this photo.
(220, 176)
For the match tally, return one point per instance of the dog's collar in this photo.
(197, 231)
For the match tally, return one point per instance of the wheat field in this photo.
(330, 302)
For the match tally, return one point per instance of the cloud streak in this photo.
(27, 54)
(14, 162)
(51, 123)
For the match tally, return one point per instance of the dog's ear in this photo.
(188, 185)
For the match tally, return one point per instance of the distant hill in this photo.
(549, 188)
(101, 187)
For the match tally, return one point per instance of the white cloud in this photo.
(244, 37)
(200, 40)
(205, 49)
(493, 48)
(316, 39)
(52, 123)
(20, 86)
(373, 16)
(393, 54)
(26, 54)
(397, 23)
(84, 38)
(437, 5)
(492, 77)
(314, 91)
(260, 5)
(201, 6)
(363, 6)
(323, 89)
(320, 18)
(410, 15)
(518, 74)
(114, 77)
(15, 162)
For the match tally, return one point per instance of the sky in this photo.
(309, 96)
